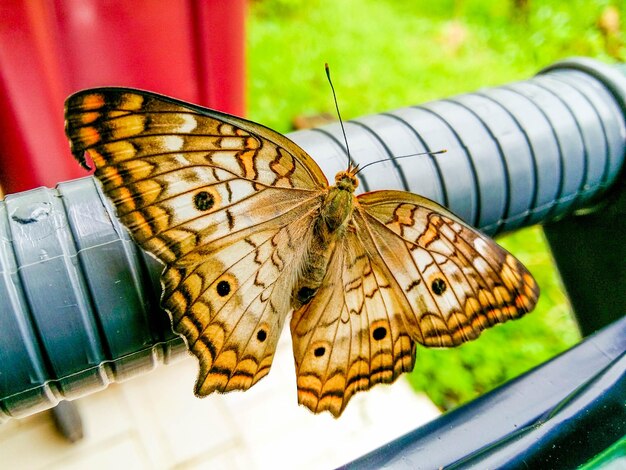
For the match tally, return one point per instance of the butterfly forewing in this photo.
(181, 176)
(130, 124)
(457, 281)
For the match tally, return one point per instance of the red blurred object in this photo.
(193, 50)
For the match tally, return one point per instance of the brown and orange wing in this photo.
(225, 203)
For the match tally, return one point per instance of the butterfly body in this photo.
(329, 228)
(249, 231)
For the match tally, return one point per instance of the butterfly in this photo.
(249, 230)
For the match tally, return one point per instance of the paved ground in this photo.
(155, 422)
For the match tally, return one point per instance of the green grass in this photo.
(387, 54)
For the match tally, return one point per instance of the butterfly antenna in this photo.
(398, 158)
(343, 130)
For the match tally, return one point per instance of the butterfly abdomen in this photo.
(329, 228)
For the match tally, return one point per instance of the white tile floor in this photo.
(154, 421)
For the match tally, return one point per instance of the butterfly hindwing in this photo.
(351, 335)
(231, 308)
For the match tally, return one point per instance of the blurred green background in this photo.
(386, 54)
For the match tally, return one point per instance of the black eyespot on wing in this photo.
(223, 288)
(261, 335)
(203, 201)
(379, 333)
(319, 352)
(438, 286)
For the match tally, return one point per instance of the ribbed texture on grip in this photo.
(79, 301)
(517, 155)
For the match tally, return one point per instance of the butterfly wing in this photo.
(408, 271)
(351, 335)
(218, 199)
(456, 281)
(231, 308)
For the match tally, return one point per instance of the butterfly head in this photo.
(347, 180)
